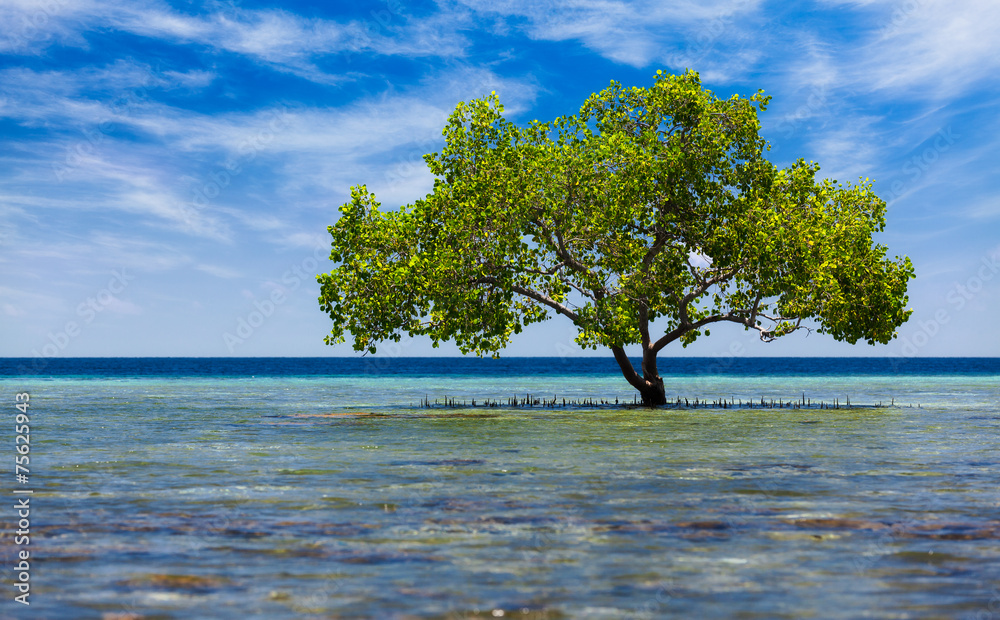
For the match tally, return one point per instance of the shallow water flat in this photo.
(339, 496)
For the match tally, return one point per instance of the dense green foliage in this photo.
(651, 204)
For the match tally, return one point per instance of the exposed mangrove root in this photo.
(529, 401)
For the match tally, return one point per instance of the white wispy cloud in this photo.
(138, 253)
(680, 34)
(307, 240)
(985, 208)
(172, 211)
(219, 271)
(846, 149)
(179, 169)
(30, 27)
(927, 49)
(12, 310)
(27, 302)
(121, 306)
(275, 37)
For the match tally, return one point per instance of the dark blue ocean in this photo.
(472, 366)
(323, 488)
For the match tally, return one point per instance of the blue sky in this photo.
(168, 170)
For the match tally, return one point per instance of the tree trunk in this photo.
(653, 394)
(650, 385)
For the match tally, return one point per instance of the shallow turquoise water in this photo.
(339, 497)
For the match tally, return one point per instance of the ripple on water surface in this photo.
(339, 497)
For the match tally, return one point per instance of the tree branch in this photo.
(559, 247)
(551, 271)
(577, 287)
(658, 245)
(531, 294)
(746, 318)
(628, 370)
(644, 325)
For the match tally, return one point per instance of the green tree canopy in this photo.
(651, 204)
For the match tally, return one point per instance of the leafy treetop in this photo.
(651, 204)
